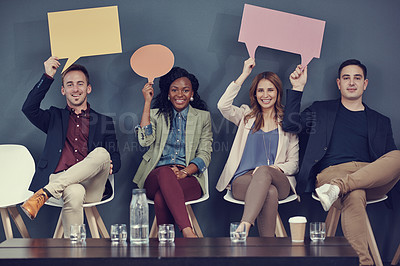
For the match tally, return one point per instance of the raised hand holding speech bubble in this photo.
(282, 31)
(84, 32)
(152, 61)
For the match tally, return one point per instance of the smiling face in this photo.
(180, 92)
(352, 83)
(76, 89)
(266, 94)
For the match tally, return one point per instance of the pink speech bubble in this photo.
(281, 31)
(152, 61)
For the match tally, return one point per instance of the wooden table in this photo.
(201, 251)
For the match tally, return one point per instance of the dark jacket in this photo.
(54, 122)
(315, 125)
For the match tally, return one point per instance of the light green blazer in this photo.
(198, 142)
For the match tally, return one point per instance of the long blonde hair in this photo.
(256, 110)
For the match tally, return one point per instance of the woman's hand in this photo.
(248, 66)
(179, 174)
(298, 78)
(148, 92)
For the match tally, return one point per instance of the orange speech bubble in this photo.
(281, 31)
(84, 32)
(152, 61)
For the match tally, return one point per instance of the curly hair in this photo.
(161, 101)
(255, 106)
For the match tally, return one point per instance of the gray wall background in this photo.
(203, 36)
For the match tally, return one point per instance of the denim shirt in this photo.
(174, 150)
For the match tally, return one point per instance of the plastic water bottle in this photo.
(139, 217)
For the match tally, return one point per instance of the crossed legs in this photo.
(359, 182)
(170, 194)
(82, 182)
(261, 191)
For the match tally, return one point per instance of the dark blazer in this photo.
(315, 125)
(54, 122)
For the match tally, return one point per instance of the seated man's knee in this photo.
(101, 153)
(394, 153)
(74, 196)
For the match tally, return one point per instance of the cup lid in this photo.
(298, 219)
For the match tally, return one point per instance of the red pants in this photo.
(170, 194)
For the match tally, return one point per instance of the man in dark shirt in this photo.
(347, 150)
(81, 147)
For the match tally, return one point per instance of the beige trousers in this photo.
(261, 192)
(83, 182)
(359, 182)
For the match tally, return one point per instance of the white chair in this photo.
(279, 229)
(17, 169)
(192, 217)
(94, 220)
(332, 220)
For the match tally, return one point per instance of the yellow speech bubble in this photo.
(84, 32)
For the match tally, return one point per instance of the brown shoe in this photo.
(32, 205)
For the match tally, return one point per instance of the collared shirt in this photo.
(174, 151)
(76, 143)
